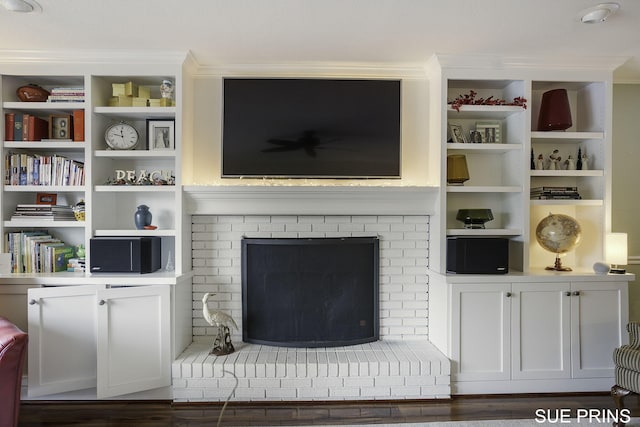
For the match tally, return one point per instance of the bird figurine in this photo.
(222, 343)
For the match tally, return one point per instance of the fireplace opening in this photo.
(316, 292)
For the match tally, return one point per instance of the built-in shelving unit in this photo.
(489, 325)
(109, 208)
(501, 175)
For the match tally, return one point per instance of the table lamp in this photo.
(616, 251)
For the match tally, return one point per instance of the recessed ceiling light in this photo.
(598, 13)
(23, 6)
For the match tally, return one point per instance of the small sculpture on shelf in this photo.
(585, 161)
(540, 162)
(554, 160)
(579, 161)
(570, 164)
(222, 343)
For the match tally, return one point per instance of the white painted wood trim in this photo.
(302, 200)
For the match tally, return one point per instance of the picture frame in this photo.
(61, 126)
(46, 198)
(456, 133)
(161, 134)
(490, 131)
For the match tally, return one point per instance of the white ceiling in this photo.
(225, 32)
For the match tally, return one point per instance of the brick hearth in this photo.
(404, 364)
(380, 370)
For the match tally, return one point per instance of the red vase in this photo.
(555, 113)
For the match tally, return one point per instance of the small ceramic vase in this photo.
(142, 217)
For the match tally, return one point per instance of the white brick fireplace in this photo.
(402, 365)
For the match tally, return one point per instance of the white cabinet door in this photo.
(134, 339)
(62, 339)
(599, 314)
(481, 331)
(541, 330)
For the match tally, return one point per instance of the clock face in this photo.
(121, 136)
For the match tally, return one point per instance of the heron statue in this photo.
(222, 343)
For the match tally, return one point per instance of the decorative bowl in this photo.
(474, 218)
(32, 93)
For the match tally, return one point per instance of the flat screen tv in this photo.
(311, 128)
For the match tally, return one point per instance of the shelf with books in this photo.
(568, 202)
(43, 123)
(45, 188)
(44, 106)
(50, 144)
(41, 223)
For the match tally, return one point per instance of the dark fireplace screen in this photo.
(317, 292)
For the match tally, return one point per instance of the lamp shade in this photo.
(616, 248)
(457, 171)
(555, 113)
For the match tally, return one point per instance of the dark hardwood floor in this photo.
(147, 414)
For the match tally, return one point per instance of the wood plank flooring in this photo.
(147, 414)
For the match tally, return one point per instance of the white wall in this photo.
(626, 177)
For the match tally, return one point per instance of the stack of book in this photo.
(43, 213)
(66, 94)
(37, 252)
(554, 193)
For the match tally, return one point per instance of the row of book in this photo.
(28, 127)
(35, 169)
(66, 94)
(555, 193)
(38, 252)
(43, 212)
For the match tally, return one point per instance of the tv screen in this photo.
(323, 128)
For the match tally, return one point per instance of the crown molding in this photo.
(607, 63)
(96, 56)
(315, 69)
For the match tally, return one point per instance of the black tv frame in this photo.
(353, 160)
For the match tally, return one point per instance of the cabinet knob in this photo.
(576, 293)
(567, 293)
(32, 302)
(102, 302)
(508, 294)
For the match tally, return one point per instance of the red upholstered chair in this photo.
(13, 348)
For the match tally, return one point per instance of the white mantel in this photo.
(310, 200)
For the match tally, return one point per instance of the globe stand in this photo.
(558, 266)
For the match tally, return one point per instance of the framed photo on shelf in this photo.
(60, 126)
(46, 198)
(490, 132)
(456, 134)
(161, 134)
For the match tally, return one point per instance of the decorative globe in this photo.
(558, 233)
